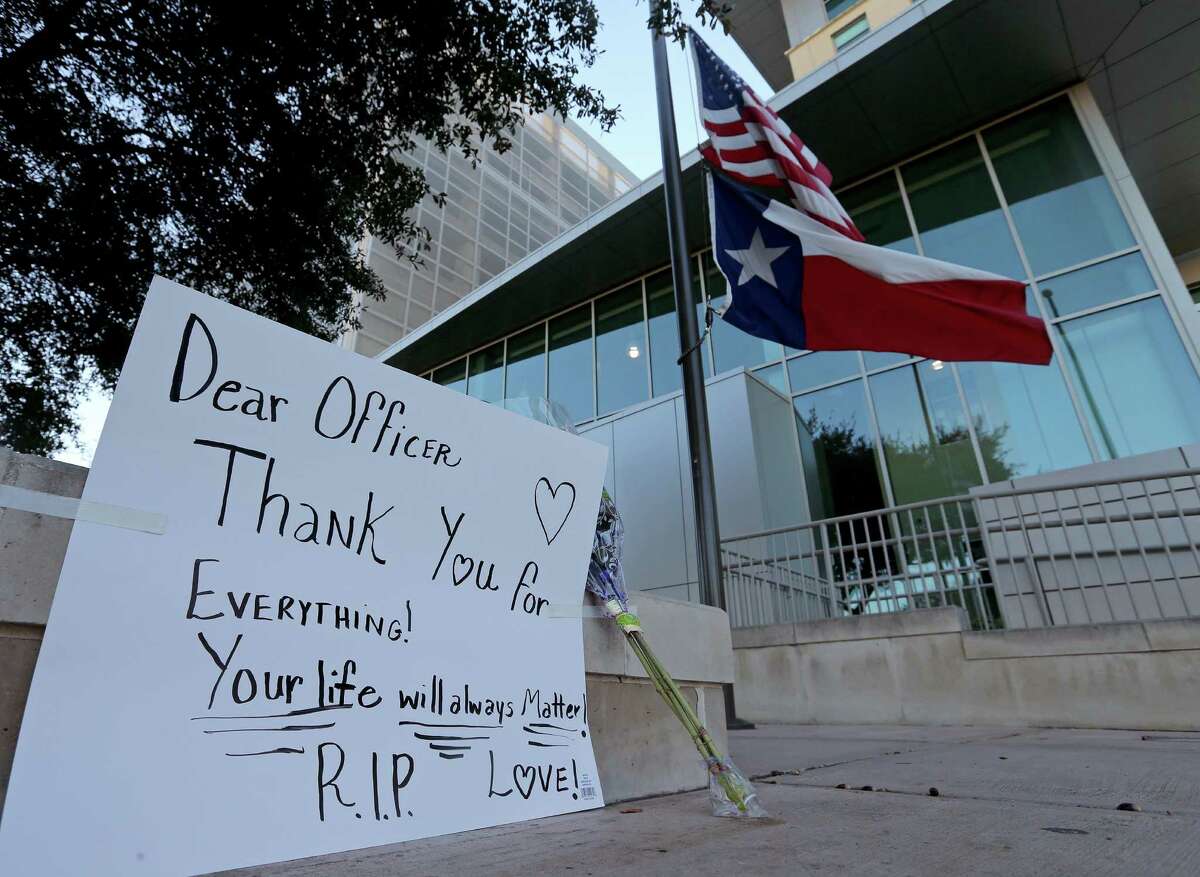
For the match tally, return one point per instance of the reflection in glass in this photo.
(485, 373)
(876, 360)
(924, 432)
(1023, 417)
(956, 211)
(665, 371)
(1061, 204)
(571, 362)
(823, 367)
(878, 211)
(773, 376)
(837, 447)
(1097, 284)
(453, 375)
(732, 347)
(847, 36)
(1134, 377)
(525, 372)
(837, 443)
(621, 350)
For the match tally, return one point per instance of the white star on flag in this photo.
(756, 260)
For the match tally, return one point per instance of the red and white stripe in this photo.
(753, 145)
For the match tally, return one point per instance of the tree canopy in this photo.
(243, 150)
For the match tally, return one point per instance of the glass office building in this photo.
(1026, 197)
(494, 215)
(1051, 149)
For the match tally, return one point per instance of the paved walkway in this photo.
(1010, 802)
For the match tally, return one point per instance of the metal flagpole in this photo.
(708, 537)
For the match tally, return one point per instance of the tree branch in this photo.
(43, 44)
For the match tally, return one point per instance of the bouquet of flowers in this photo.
(730, 793)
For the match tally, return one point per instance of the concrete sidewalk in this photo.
(1010, 802)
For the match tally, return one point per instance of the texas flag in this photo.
(795, 280)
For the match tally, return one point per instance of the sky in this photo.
(624, 73)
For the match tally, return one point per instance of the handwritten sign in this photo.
(350, 633)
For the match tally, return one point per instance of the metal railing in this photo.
(1075, 552)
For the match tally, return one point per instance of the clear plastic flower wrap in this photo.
(606, 578)
(724, 781)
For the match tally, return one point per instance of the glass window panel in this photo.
(571, 362)
(955, 208)
(462, 181)
(851, 33)
(773, 375)
(732, 347)
(464, 199)
(834, 8)
(492, 238)
(435, 169)
(525, 371)
(1194, 291)
(572, 217)
(1097, 284)
(485, 373)
(455, 242)
(924, 432)
(455, 283)
(418, 314)
(1023, 417)
(453, 375)
(878, 211)
(875, 360)
(395, 277)
(621, 378)
(815, 369)
(432, 222)
(443, 298)
(1061, 204)
(1134, 378)
(664, 332)
(837, 445)
(490, 262)
(422, 290)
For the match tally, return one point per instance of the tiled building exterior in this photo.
(495, 214)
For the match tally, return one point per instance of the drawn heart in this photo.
(470, 563)
(531, 772)
(553, 506)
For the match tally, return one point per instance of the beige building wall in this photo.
(817, 47)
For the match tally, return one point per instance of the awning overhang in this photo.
(940, 68)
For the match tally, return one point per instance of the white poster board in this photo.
(350, 632)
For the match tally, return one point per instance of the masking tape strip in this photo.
(72, 509)
(553, 611)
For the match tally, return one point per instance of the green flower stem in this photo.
(669, 691)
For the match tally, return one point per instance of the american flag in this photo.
(750, 143)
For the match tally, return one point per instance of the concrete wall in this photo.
(1050, 567)
(928, 668)
(756, 461)
(803, 18)
(641, 749)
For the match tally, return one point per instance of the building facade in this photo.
(1009, 157)
(495, 214)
